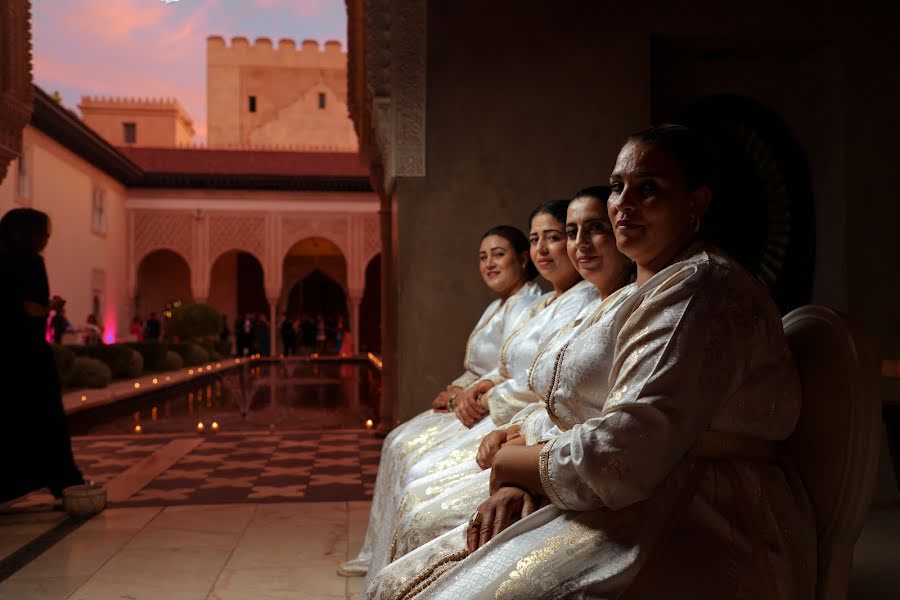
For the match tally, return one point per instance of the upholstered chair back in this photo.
(834, 448)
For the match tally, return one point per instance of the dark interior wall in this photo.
(515, 117)
(529, 101)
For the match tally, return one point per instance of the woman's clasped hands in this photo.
(470, 407)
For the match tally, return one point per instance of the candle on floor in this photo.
(200, 426)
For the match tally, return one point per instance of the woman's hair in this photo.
(554, 208)
(694, 154)
(600, 192)
(519, 243)
(21, 229)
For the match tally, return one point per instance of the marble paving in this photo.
(334, 465)
(217, 552)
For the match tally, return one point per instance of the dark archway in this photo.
(163, 279)
(370, 309)
(763, 213)
(318, 294)
(236, 285)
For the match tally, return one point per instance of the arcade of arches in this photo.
(278, 264)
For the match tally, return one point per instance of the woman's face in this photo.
(548, 250)
(592, 245)
(653, 214)
(501, 268)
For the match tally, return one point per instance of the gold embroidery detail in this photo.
(534, 573)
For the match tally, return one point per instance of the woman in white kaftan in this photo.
(506, 268)
(507, 392)
(436, 503)
(663, 480)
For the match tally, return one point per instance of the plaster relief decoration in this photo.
(371, 237)
(237, 232)
(16, 92)
(163, 230)
(334, 229)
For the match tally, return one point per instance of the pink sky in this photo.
(149, 48)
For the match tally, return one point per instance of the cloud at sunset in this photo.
(149, 48)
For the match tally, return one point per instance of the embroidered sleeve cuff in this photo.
(544, 466)
(465, 380)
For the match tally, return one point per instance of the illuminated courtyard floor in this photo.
(251, 515)
(258, 515)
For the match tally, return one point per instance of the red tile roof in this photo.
(246, 162)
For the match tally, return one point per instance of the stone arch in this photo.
(162, 248)
(764, 210)
(163, 278)
(237, 283)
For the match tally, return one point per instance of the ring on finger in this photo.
(476, 519)
(451, 404)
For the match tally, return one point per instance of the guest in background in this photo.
(35, 448)
(152, 328)
(321, 335)
(288, 337)
(244, 331)
(261, 332)
(307, 334)
(92, 334)
(59, 324)
(136, 330)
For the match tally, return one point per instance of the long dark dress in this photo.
(34, 438)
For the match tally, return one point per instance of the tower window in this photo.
(252, 103)
(321, 100)
(129, 130)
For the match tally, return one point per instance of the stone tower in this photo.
(261, 96)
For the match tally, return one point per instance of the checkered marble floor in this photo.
(332, 465)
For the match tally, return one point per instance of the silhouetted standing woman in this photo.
(34, 438)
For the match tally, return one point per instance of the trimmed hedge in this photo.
(192, 321)
(122, 361)
(173, 361)
(88, 373)
(192, 354)
(154, 354)
(216, 348)
(64, 359)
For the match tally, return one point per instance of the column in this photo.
(273, 326)
(354, 300)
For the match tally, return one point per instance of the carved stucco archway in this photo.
(202, 236)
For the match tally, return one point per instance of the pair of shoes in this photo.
(353, 568)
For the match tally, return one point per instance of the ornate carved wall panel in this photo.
(163, 230)
(16, 92)
(237, 232)
(332, 228)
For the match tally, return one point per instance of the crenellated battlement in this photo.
(263, 53)
(129, 101)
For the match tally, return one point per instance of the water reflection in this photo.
(287, 395)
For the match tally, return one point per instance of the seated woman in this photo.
(437, 503)
(507, 270)
(663, 480)
(509, 392)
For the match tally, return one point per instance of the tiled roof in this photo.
(246, 162)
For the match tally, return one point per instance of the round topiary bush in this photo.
(64, 358)
(88, 372)
(172, 362)
(191, 321)
(153, 352)
(131, 364)
(192, 354)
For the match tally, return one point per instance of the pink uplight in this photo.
(109, 327)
